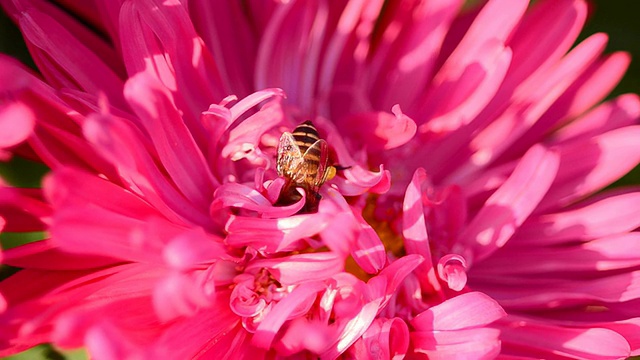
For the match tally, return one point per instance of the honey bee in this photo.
(303, 160)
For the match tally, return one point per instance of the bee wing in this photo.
(316, 159)
(289, 156)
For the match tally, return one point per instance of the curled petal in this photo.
(353, 328)
(357, 180)
(384, 285)
(254, 99)
(268, 328)
(244, 197)
(271, 235)
(301, 267)
(244, 139)
(380, 130)
(385, 339)
(452, 269)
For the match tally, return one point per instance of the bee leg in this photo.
(341, 167)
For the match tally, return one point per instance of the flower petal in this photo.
(23, 209)
(65, 60)
(244, 197)
(268, 328)
(529, 337)
(469, 310)
(300, 268)
(414, 231)
(587, 165)
(611, 213)
(481, 343)
(385, 339)
(185, 163)
(380, 130)
(274, 234)
(16, 124)
(512, 203)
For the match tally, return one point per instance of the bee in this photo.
(303, 160)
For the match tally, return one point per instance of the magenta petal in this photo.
(616, 252)
(464, 311)
(115, 235)
(192, 336)
(512, 203)
(620, 112)
(193, 248)
(16, 124)
(368, 250)
(535, 338)
(43, 255)
(254, 99)
(538, 42)
(357, 180)
(120, 143)
(383, 286)
(407, 61)
(244, 139)
(269, 327)
(244, 197)
(301, 334)
(107, 341)
(271, 235)
(65, 60)
(185, 163)
(214, 21)
(414, 230)
(23, 209)
(353, 329)
(452, 269)
(300, 268)
(611, 214)
(381, 130)
(481, 344)
(587, 165)
(183, 294)
(544, 105)
(385, 339)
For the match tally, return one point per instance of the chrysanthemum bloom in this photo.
(463, 225)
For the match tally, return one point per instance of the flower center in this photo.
(392, 242)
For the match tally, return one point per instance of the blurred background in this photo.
(620, 19)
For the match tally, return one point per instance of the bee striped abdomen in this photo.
(305, 135)
(303, 159)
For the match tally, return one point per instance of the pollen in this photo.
(393, 242)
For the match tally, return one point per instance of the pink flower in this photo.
(464, 223)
